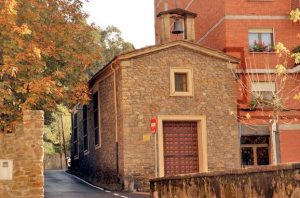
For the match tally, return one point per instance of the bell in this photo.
(177, 29)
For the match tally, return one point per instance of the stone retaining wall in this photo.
(22, 150)
(54, 162)
(258, 182)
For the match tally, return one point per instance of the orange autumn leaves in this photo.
(45, 49)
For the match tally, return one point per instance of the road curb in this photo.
(104, 189)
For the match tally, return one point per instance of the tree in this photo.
(112, 44)
(52, 139)
(46, 48)
(277, 107)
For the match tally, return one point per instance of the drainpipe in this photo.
(275, 143)
(239, 142)
(116, 118)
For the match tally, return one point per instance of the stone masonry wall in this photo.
(146, 87)
(264, 182)
(99, 165)
(54, 161)
(25, 147)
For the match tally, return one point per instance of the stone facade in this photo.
(225, 25)
(265, 182)
(24, 147)
(142, 87)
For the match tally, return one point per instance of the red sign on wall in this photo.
(153, 125)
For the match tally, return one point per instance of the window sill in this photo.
(261, 0)
(97, 147)
(262, 52)
(182, 94)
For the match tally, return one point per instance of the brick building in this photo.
(249, 29)
(180, 84)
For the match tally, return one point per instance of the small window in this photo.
(181, 82)
(261, 40)
(255, 150)
(5, 164)
(295, 4)
(75, 136)
(96, 119)
(263, 92)
(85, 130)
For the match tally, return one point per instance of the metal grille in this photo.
(180, 147)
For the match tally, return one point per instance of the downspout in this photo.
(239, 142)
(116, 118)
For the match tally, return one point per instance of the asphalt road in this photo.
(59, 184)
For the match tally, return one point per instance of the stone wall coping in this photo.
(240, 171)
(154, 48)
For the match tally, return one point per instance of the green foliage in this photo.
(112, 45)
(259, 46)
(46, 49)
(50, 148)
(52, 131)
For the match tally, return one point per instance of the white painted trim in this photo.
(262, 86)
(267, 71)
(189, 4)
(256, 17)
(211, 29)
(261, 30)
(289, 127)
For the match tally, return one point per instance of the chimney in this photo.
(188, 18)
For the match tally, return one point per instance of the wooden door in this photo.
(180, 147)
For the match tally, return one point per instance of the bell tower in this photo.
(176, 21)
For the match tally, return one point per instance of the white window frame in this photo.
(262, 30)
(190, 84)
(263, 86)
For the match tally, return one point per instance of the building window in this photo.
(85, 130)
(295, 4)
(255, 150)
(181, 82)
(96, 119)
(263, 93)
(261, 40)
(75, 136)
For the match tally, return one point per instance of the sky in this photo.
(135, 18)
